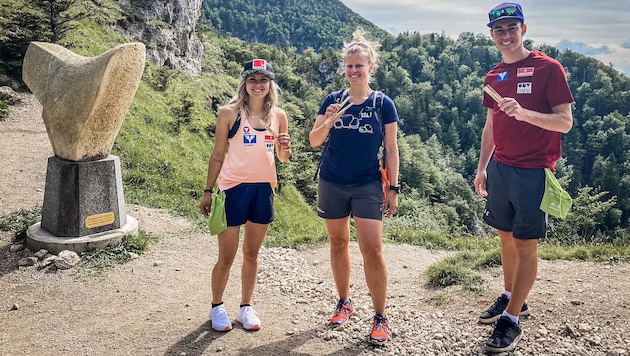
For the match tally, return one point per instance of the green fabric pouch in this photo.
(556, 201)
(217, 222)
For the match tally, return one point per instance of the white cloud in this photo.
(619, 58)
(583, 48)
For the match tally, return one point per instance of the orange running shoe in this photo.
(380, 330)
(343, 312)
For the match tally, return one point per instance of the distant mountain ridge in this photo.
(318, 24)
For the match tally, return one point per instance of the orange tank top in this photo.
(250, 156)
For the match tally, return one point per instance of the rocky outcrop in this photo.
(167, 28)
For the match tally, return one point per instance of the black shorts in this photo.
(336, 201)
(514, 196)
(249, 202)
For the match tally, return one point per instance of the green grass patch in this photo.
(4, 110)
(586, 252)
(435, 239)
(456, 270)
(91, 39)
(462, 268)
(99, 260)
(19, 221)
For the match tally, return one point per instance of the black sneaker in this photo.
(505, 336)
(496, 309)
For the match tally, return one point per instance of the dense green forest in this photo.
(287, 23)
(435, 81)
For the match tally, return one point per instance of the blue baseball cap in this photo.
(506, 10)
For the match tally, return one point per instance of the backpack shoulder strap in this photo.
(340, 95)
(377, 101)
(377, 104)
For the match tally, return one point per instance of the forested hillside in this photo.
(435, 81)
(318, 24)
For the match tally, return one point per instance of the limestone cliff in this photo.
(167, 28)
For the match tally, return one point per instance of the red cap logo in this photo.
(259, 64)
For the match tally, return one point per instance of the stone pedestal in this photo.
(83, 198)
(84, 206)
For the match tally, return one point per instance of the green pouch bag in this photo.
(217, 222)
(556, 201)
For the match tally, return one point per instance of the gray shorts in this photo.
(336, 201)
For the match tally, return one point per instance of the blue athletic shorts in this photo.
(249, 202)
(513, 203)
(337, 201)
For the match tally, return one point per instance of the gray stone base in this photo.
(38, 238)
(83, 198)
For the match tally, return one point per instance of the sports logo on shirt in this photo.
(249, 139)
(502, 76)
(524, 88)
(269, 142)
(525, 72)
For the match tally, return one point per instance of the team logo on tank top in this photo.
(269, 142)
(249, 139)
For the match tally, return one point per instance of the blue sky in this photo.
(600, 29)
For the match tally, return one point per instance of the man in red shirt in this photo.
(520, 139)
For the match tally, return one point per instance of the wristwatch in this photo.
(395, 188)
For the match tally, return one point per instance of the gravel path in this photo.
(157, 304)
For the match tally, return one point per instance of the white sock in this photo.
(507, 294)
(512, 317)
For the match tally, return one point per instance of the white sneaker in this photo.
(220, 319)
(247, 316)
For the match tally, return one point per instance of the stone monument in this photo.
(84, 100)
